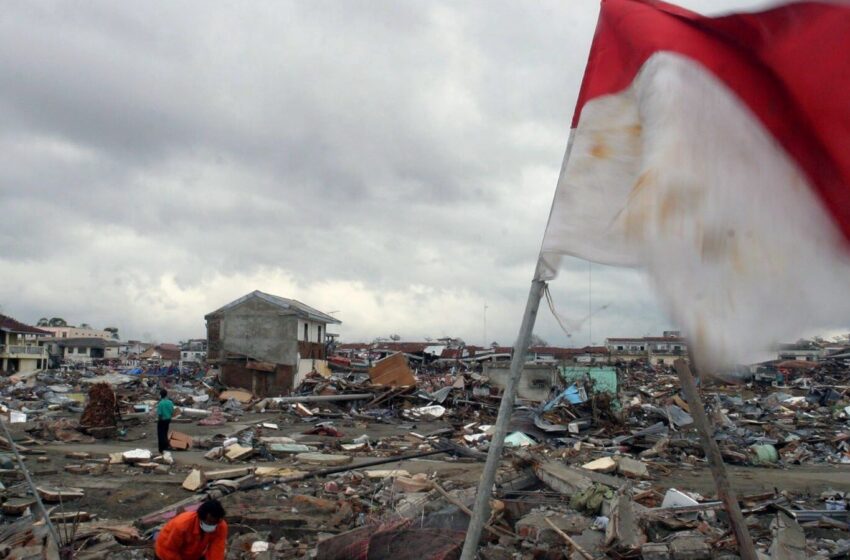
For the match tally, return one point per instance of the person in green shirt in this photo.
(164, 412)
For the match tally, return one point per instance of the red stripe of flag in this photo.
(790, 65)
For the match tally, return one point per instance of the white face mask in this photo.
(208, 528)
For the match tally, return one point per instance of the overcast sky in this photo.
(391, 162)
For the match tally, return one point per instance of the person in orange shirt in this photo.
(200, 535)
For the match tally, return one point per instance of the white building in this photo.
(77, 332)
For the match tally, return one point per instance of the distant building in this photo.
(803, 350)
(161, 354)
(267, 343)
(193, 351)
(77, 332)
(84, 350)
(656, 350)
(21, 349)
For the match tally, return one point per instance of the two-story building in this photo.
(656, 350)
(802, 350)
(193, 351)
(71, 331)
(85, 350)
(267, 343)
(21, 350)
(164, 354)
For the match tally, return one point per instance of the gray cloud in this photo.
(394, 161)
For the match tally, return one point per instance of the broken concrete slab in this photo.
(194, 481)
(52, 494)
(323, 459)
(789, 542)
(416, 483)
(276, 439)
(603, 465)
(561, 478)
(135, 456)
(690, 547)
(237, 472)
(623, 529)
(238, 452)
(631, 468)
(237, 394)
(385, 473)
(277, 472)
(655, 551)
(288, 448)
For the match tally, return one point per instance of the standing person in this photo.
(164, 412)
(194, 535)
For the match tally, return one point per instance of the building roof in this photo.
(802, 345)
(649, 338)
(11, 325)
(163, 351)
(406, 347)
(89, 342)
(300, 309)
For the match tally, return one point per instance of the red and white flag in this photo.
(715, 153)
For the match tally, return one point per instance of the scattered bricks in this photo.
(690, 548)
(310, 504)
(179, 440)
(654, 551)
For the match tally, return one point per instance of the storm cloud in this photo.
(393, 162)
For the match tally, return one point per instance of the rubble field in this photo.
(354, 465)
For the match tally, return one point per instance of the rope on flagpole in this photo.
(567, 325)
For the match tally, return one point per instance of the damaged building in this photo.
(267, 343)
(21, 349)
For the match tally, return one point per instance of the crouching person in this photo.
(197, 535)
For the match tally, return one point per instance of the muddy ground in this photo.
(126, 493)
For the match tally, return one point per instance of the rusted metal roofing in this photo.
(11, 325)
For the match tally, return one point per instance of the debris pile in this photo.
(384, 461)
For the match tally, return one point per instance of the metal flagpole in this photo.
(725, 491)
(481, 511)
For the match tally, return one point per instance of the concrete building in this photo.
(803, 350)
(77, 332)
(21, 349)
(84, 350)
(161, 354)
(535, 384)
(193, 351)
(656, 350)
(267, 343)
